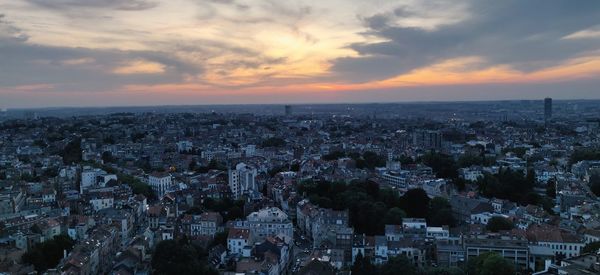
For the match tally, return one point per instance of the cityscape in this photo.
(416, 188)
(299, 137)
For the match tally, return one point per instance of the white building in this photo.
(591, 236)
(394, 178)
(554, 241)
(242, 180)
(270, 222)
(49, 195)
(386, 249)
(94, 177)
(250, 150)
(184, 146)
(68, 172)
(88, 178)
(102, 180)
(470, 174)
(484, 218)
(237, 239)
(438, 233)
(434, 188)
(206, 224)
(101, 202)
(160, 183)
(414, 223)
(393, 165)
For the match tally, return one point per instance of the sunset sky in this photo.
(151, 52)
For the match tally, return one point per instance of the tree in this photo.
(220, 238)
(498, 223)
(530, 179)
(497, 265)
(334, 155)
(415, 203)
(584, 154)
(137, 186)
(444, 271)
(592, 247)
(518, 151)
(470, 160)
(509, 184)
(373, 160)
(404, 160)
(234, 213)
(273, 142)
(193, 165)
(180, 258)
(442, 165)
(40, 143)
(595, 182)
(107, 157)
(363, 266)
(47, 254)
(551, 189)
(440, 212)
(367, 217)
(108, 140)
(394, 216)
(398, 265)
(369, 206)
(490, 264)
(135, 137)
(72, 152)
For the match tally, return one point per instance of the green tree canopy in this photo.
(398, 265)
(363, 266)
(444, 271)
(72, 152)
(47, 254)
(585, 154)
(416, 203)
(273, 142)
(592, 247)
(509, 184)
(498, 223)
(595, 182)
(490, 264)
(394, 216)
(442, 165)
(180, 258)
(440, 212)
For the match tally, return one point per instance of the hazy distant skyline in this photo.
(149, 52)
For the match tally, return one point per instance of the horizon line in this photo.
(291, 104)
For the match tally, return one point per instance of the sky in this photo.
(158, 52)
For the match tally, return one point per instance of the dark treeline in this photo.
(486, 263)
(371, 207)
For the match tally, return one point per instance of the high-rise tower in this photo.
(547, 109)
(288, 110)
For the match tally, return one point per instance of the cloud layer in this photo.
(213, 50)
(526, 35)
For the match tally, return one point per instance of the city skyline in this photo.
(142, 52)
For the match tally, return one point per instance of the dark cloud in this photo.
(9, 31)
(126, 5)
(527, 35)
(81, 69)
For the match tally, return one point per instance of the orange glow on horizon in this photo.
(460, 71)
